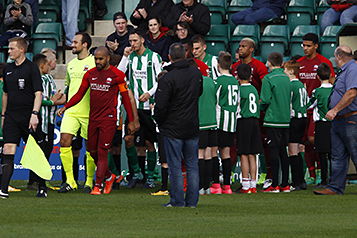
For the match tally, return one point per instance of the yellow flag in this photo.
(33, 158)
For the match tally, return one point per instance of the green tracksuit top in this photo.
(275, 99)
(207, 105)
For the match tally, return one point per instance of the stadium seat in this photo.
(217, 10)
(113, 7)
(236, 6)
(328, 42)
(53, 27)
(49, 11)
(275, 38)
(321, 9)
(217, 38)
(296, 38)
(43, 40)
(242, 31)
(2, 57)
(300, 12)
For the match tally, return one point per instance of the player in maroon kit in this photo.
(307, 75)
(105, 82)
(259, 70)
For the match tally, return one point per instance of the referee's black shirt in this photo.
(20, 83)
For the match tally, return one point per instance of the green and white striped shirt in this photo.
(212, 63)
(48, 111)
(227, 102)
(299, 99)
(319, 101)
(143, 72)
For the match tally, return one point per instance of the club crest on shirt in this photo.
(315, 67)
(109, 80)
(86, 68)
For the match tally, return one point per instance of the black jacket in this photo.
(160, 45)
(122, 40)
(160, 9)
(200, 13)
(176, 101)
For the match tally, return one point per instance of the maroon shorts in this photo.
(100, 134)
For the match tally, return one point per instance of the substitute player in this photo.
(104, 81)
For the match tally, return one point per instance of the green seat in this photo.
(275, 38)
(239, 5)
(300, 12)
(43, 40)
(114, 6)
(84, 14)
(242, 31)
(296, 38)
(214, 48)
(54, 27)
(2, 57)
(328, 42)
(217, 10)
(29, 55)
(49, 11)
(218, 33)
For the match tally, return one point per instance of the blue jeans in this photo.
(330, 17)
(252, 17)
(70, 10)
(177, 150)
(343, 147)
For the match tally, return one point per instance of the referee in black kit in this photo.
(21, 104)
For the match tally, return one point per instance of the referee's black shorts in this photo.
(16, 126)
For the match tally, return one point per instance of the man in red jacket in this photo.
(104, 81)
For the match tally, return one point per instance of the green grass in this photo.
(134, 213)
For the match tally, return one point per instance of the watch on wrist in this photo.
(35, 112)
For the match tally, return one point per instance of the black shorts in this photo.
(147, 129)
(16, 126)
(225, 139)
(249, 140)
(207, 138)
(117, 139)
(297, 129)
(323, 136)
(277, 137)
(160, 143)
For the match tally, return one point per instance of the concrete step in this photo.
(103, 27)
(98, 40)
(59, 72)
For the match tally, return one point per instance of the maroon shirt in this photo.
(259, 70)
(307, 72)
(104, 88)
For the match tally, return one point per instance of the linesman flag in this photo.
(33, 158)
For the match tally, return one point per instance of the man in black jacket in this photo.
(176, 113)
(147, 9)
(195, 14)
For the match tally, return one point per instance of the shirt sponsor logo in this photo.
(307, 75)
(94, 79)
(109, 80)
(86, 68)
(100, 87)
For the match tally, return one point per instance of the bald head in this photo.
(102, 58)
(343, 54)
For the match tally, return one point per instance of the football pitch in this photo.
(135, 213)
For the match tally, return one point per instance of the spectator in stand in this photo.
(70, 10)
(147, 9)
(18, 21)
(261, 11)
(157, 39)
(34, 4)
(118, 40)
(341, 12)
(195, 14)
(100, 9)
(182, 32)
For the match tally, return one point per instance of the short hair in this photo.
(39, 59)
(157, 19)
(324, 71)
(119, 15)
(177, 51)
(2, 68)
(138, 32)
(252, 42)
(183, 24)
(311, 37)
(115, 59)
(294, 65)
(224, 60)
(198, 39)
(85, 38)
(244, 71)
(49, 53)
(276, 59)
(20, 42)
